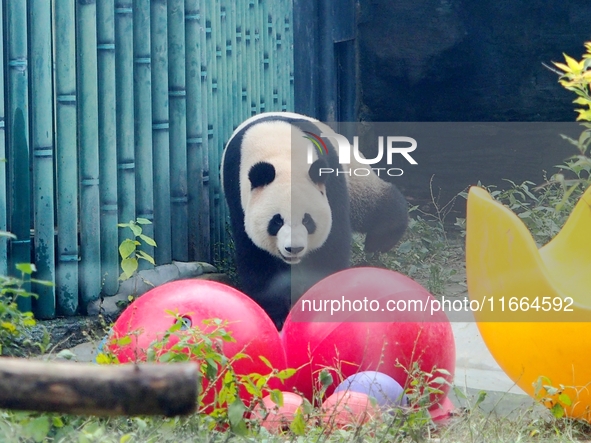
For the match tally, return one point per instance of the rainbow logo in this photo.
(318, 142)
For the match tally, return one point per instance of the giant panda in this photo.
(292, 224)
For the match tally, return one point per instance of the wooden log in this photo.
(90, 389)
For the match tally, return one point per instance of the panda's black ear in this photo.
(261, 174)
(315, 173)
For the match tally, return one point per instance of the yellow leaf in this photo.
(582, 101)
(562, 66)
(8, 325)
(573, 64)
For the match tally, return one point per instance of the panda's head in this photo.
(286, 209)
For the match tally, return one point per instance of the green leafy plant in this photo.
(14, 324)
(130, 251)
(219, 402)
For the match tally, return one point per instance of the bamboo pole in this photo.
(90, 389)
(18, 121)
(230, 97)
(142, 79)
(107, 124)
(178, 129)
(213, 53)
(125, 113)
(3, 153)
(193, 41)
(90, 273)
(42, 143)
(205, 213)
(67, 158)
(160, 130)
(288, 45)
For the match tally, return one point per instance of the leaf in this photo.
(557, 410)
(277, 397)
(562, 66)
(66, 354)
(573, 64)
(143, 221)
(8, 326)
(146, 257)
(266, 362)
(325, 378)
(236, 411)
(26, 268)
(565, 399)
(126, 248)
(149, 240)
(481, 398)
(137, 230)
(298, 425)
(129, 266)
(37, 428)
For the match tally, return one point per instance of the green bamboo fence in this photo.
(120, 109)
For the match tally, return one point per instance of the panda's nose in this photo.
(294, 250)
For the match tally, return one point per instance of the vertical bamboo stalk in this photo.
(217, 119)
(90, 274)
(125, 113)
(67, 157)
(205, 214)
(160, 130)
(267, 76)
(142, 80)
(42, 143)
(240, 60)
(231, 97)
(107, 127)
(288, 45)
(3, 190)
(18, 121)
(254, 56)
(193, 42)
(178, 129)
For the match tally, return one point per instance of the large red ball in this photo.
(197, 300)
(380, 340)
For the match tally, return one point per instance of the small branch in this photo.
(90, 389)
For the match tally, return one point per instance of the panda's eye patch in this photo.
(309, 224)
(275, 225)
(261, 175)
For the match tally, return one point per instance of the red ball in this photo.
(347, 408)
(197, 300)
(274, 418)
(366, 340)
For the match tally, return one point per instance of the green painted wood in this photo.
(66, 158)
(3, 156)
(43, 151)
(107, 139)
(90, 241)
(205, 210)
(147, 92)
(125, 114)
(178, 129)
(160, 130)
(194, 128)
(18, 122)
(142, 86)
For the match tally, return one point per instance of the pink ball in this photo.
(366, 341)
(196, 300)
(348, 408)
(274, 418)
